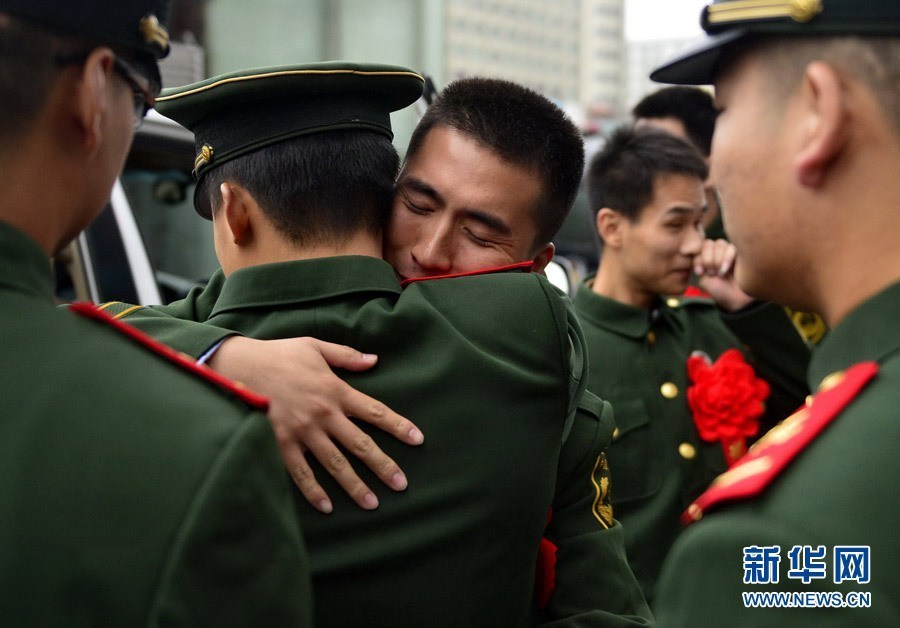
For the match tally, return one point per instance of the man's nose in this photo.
(433, 252)
(693, 242)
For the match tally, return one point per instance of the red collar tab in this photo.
(525, 267)
(184, 361)
(694, 291)
(774, 452)
(545, 571)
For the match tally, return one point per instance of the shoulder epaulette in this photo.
(525, 267)
(117, 309)
(775, 451)
(252, 399)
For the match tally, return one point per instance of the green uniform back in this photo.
(490, 368)
(480, 374)
(134, 493)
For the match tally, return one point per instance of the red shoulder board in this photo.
(777, 449)
(521, 266)
(254, 400)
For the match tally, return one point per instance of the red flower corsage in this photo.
(726, 399)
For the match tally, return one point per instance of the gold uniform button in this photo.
(669, 390)
(687, 451)
(831, 381)
(673, 302)
(615, 435)
(695, 512)
(651, 337)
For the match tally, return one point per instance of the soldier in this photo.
(490, 174)
(647, 191)
(137, 489)
(804, 155)
(688, 113)
(296, 170)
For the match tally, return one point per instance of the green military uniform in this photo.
(481, 364)
(638, 362)
(815, 493)
(134, 493)
(807, 503)
(491, 368)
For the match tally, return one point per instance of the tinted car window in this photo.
(179, 242)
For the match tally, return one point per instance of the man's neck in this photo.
(274, 250)
(856, 254)
(35, 203)
(612, 283)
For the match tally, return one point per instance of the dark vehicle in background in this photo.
(148, 245)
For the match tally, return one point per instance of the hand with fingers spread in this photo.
(309, 410)
(714, 265)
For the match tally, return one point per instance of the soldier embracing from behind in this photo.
(137, 490)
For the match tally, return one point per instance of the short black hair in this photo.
(32, 55)
(522, 127)
(622, 175)
(28, 68)
(874, 60)
(693, 106)
(319, 188)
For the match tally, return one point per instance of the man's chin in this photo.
(417, 273)
(675, 286)
(404, 273)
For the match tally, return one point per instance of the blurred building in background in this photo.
(573, 51)
(643, 57)
(570, 50)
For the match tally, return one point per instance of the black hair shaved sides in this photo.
(622, 175)
(319, 188)
(28, 67)
(523, 128)
(693, 106)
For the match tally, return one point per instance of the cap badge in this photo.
(153, 32)
(742, 10)
(203, 157)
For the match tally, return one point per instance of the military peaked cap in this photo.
(728, 22)
(135, 25)
(237, 113)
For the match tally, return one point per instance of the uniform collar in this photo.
(25, 267)
(286, 283)
(870, 332)
(619, 318)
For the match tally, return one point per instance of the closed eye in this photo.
(477, 240)
(412, 206)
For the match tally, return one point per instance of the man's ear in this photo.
(543, 258)
(824, 123)
(234, 210)
(92, 98)
(609, 226)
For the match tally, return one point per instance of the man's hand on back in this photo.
(309, 411)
